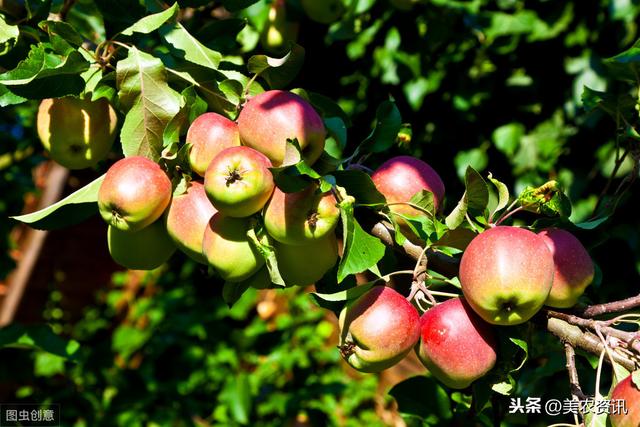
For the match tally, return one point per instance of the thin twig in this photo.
(574, 381)
(611, 307)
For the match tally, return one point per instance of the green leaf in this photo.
(625, 65)
(346, 295)
(359, 185)
(278, 72)
(63, 30)
(362, 251)
(383, 136)
(233, 291)
(423, 397)
(151, 22)
(261, 241)
(8, 35)
(458, 238)
(503, 193)
(423, 200)
(39, 337)
(504, 387)
(548, 199)
(237, 394)
(46, 74)
(294, 177)
(611, 103)
(48, 365)
(185, 46)
(143, 88)
(191, 107)
(9, 98)
(71, 210)
(475, 198)
(507, 138)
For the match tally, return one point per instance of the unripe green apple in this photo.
(135, 192)
(323, 11)
(456, 345)
(187, 219)
(270, 118)
(574, 269)
(277, 31)
(302, 217)
(628, 392)
(78, 133)
(401, 177)
(228, 249)
(378, 329)
(506, 274)
(304, 265)
(238, 181)
(209, 134)
(146, 249)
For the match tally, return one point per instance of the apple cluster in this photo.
(231, 208)
(507, 275)
(232, 191)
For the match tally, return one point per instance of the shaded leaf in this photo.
(185, 46)
(278, 72)
(71, 210)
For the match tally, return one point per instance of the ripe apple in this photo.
(145, 249)
(325, 11)
(135, 192)
(209, 134)
(399, 178)
(378, 329)
(228, 249)
(302, 217)
(573, 267)
(456, 345)
(270, 118)
(506, 274)
(78, 133)
(304, 265)
(628, 392)
(187, 218)
(238, 181)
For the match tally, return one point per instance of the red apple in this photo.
(378, 329)
(269, 119)
(238, 181)
(228, 249)
(399, 178)
(573, 267)
(302, 217)
(77, 133)
(187, 219)
(135, 192)
(145, 249)
(209, 134)
(456, 345)
(628, 394)
(506, 274)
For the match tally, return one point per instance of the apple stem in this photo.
(508, 214)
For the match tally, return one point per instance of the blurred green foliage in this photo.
(496, 85)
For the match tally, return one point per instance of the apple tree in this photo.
(307, 195)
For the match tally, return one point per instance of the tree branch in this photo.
(574, 381)
(611, 307)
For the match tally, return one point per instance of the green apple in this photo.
(146, 249)
(187, 218)
(135, 192)
(209, 134)
(302, 217)
(267, 120)
(305, 265)
(506, 274)
(574, 269)
(277, 31)
(456, 345)
(378, 329)
(238, 181)
(228, 249)
(77, 133)
(323, 11)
